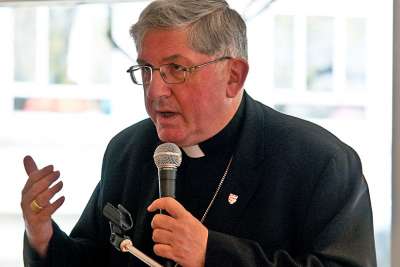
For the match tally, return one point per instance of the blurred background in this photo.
(64, 90)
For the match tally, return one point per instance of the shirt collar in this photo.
(193, 151)
(223, 141)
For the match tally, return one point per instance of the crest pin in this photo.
(232, 198)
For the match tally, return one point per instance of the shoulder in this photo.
(134, 142)
(126, 157)
(134, 134)
(300, 142)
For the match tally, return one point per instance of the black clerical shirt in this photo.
(198, 178)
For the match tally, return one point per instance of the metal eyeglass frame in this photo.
(184, 69)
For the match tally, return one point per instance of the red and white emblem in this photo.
(232, 198)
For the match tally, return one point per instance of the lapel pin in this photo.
(232, 198)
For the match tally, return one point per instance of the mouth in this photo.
(167, 114)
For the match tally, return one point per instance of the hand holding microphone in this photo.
(179, 236)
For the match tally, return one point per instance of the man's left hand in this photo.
(179, 236)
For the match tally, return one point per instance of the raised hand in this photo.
(179, 236)
(36, 206)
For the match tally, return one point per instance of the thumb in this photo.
(30, 165)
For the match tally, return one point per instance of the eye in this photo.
(176, 67)
(146, 69)
(135, 68)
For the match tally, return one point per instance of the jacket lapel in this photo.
(242, 179)
(147, 194)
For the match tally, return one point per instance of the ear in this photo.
(237, 76)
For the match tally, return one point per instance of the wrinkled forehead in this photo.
(161, 45)
(164, 36)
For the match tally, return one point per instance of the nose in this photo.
(157, 87)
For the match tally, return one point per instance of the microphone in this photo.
(168, 158)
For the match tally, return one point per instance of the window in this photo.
(64, 90)
(331, 62)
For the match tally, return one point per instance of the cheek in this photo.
(209, 96)
(204, 108)
(146, 104)
(149, 110)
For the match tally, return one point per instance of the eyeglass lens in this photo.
(170, 73)
(141, 75)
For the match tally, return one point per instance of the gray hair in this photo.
(213, 27)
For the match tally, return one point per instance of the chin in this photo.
(171, 137)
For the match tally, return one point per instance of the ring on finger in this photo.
(35, 207)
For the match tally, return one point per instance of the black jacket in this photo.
(303, 200)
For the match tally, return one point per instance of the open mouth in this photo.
(167, 114)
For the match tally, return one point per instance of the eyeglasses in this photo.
(171, 73)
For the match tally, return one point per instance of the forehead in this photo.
(159, 46)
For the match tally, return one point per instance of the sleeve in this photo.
(337, 230)
(31, 257)
(82, 248)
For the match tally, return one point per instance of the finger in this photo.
(43, 199)
(43, 214)
(50, 209)
(36, 176)
(163, 221)
(162, 236)
(164, 251)
(30, 193)
(33, 194)
(173, 207)
(29, 165)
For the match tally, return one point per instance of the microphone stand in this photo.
(120, 222)
(126, 246)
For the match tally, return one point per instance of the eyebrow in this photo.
(173, 57)
(141, 62)
(169, 58)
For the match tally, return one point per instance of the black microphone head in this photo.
(167, 155)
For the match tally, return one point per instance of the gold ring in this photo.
(35, 207)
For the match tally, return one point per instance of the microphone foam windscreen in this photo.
(167, 155)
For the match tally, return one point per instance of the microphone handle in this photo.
(169, 263)
(166, 179)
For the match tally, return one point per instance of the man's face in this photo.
(195, 110)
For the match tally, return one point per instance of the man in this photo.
(256, 187)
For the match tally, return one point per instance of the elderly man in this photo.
(256, 187)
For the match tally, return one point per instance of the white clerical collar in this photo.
(193, 151)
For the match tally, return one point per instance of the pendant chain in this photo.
(217, 190)
(215, 194)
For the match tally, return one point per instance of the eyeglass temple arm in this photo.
(207, 63)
